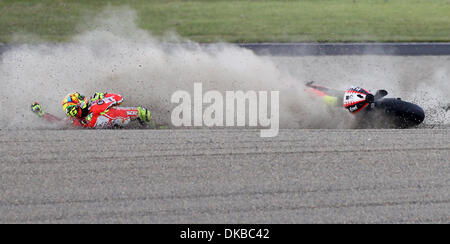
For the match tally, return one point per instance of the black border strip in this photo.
(319, 49)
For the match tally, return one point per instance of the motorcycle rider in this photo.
(77, 109)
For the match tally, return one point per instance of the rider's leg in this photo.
(144, 116)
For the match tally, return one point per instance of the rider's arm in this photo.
(97, 96)
(36, 108)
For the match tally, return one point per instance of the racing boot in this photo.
(144, 117)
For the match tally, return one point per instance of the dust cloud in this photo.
(113, 54)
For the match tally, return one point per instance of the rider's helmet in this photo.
(73, 104)
(357, 98)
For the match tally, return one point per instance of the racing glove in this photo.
(37, 109)
(97, 96)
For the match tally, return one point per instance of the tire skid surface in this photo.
(225, 176)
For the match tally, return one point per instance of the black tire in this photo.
(402, 114)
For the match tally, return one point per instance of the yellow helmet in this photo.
(73, 103)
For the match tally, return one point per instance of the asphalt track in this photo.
(225, 176)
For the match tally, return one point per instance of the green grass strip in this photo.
(242, 21)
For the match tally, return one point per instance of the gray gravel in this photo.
(225, 176)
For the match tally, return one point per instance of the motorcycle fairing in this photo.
(355, 99)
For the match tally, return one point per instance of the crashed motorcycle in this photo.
(373, 111)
